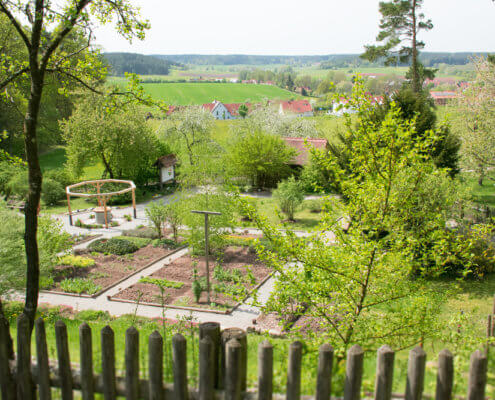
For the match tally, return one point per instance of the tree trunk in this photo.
(34, 194)
(414, 66)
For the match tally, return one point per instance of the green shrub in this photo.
(113, 246)
(144, 232)
(77, 261)
(18, 184)
(52, 191)
(138, 241)
(162, 282)
(224, 275)
(289, 196)
(93, 315)
(79, 285)
(165, 243)
(59, 175)
(314, 206)
(7, 172)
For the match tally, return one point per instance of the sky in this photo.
(295, 27)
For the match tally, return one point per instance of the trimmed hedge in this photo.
(113, 246)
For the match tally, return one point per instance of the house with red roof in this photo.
(299, 108)
(223, 111)
(442, 98)
(302, 147)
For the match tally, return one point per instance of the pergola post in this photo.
(70, 210)
(134, 202)
(105, 211)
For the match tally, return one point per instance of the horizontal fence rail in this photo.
(222, 368)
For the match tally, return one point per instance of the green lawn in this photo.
(200, 93)
(268, 207)
(482, 194)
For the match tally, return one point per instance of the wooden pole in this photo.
(212, 330)
(265, 371)
(70, 210)
(207, 250)
(25, 387)
(415, 374)
(134, 202)
(384, 373)
(179, 357)
(353, 373)
(98, 193)
(105, 212)
(445, 376)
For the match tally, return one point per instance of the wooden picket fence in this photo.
(222, 368)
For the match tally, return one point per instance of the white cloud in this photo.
(295, 27)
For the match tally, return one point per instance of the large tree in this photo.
(399, 28)
(476, 120)
(46, 57)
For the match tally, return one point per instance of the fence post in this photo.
(415, 374)
(233, 367)
(445, 376)
(265, 370)
(155, 366)
(353, 373)
(7, 382)
(25, 386)
(477, 376)
(227, 335)
(63, 356)
(324, 377)
(294, 371)
(212, 331)
(206, 366)
(108, 363)
(86, 353)
(42, 361)
(179, 355)
(132, 364)
(384, 373)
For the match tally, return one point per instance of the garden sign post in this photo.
(207, 250)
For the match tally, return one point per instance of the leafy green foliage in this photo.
(289, 195)
(120, 138)
(144, 232)
(52, 191)
(79, 286)
(259, 157)
(139, 242)
(162, 282)
(354, 278)
(113, 246)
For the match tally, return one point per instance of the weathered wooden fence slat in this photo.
(42, 361)
(222, 362)
(108, 363)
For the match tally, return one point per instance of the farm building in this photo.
(302, 145)
(224, 111)
(299, 108)
(442, 98)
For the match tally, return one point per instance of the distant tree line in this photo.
(327, 61)
(120, 63)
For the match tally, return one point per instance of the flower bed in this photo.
(232, 279)
(90, 273)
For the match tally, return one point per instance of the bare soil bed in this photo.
(181, 270)
(109, 269)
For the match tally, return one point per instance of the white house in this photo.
(342, 107)
(218, 110)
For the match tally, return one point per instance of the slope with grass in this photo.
(200, 93)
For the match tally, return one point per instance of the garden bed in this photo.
(91, 273)
(172, 285)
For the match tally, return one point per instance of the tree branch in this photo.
(13, 77)
(16, 24)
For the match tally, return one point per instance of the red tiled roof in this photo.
(296, 106)
(443, 95)
(233, 108)
(301, 147)
(166, 161)
(210, 106)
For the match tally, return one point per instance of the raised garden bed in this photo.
(91, 273)
(238, 273)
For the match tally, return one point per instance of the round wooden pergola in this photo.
(102, 197)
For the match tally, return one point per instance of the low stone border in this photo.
(102, 291)
(89, 239)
